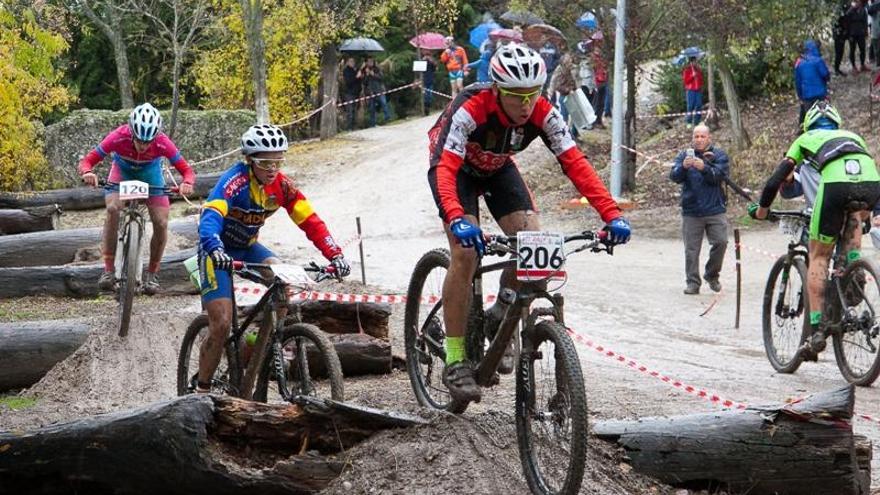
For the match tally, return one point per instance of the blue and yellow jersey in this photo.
(239, 205)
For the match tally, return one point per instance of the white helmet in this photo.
(517, 66)
(263, 137)
(145, 122)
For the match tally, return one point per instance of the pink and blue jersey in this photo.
(129, 164)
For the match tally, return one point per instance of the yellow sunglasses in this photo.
(525, 97)
(268, 164)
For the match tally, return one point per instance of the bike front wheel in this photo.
(305, 352)
(551, 411)
(857, 341)
(785, 323)
(226, 379)
(425, 332)
(128, 282)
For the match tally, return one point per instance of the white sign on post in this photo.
(420, 65)
(540, 256)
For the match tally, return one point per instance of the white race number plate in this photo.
(540, 256)
(133, 189)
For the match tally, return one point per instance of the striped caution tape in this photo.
(368, 97)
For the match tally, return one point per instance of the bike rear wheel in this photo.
(128, 282)
(425, 332)
(226, 379)
(551, 411)
(305, 352)
(785, 322)
(857, 341)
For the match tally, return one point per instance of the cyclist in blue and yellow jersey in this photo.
(846, 175)
(229, 227)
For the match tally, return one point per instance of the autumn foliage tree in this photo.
(29, 89)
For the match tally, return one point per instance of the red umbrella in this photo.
(537, 34)
(429, 41)
(506, 34)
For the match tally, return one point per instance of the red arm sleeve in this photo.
(587, 181)
(447, 187)
(89, 161)
(189, 176)
(302, 214)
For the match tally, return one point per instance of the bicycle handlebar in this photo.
(173, 189)
(788, 213)
(322, 272)
(596, 242)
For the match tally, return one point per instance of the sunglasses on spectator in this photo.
(525, 97)
(268, 164)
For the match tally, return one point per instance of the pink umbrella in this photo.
(429, 41)
(506, 34)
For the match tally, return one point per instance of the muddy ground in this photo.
(630, 302)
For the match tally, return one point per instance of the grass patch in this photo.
(15, 402)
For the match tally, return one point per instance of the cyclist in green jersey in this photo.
(848, 175)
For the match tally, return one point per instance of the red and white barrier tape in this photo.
(649, 159)
(368, 97)
(253, 291)
(704, 114)
(697, 391)
(438, 93)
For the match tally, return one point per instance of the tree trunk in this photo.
(803, 448)
(341, 317)
(113, 30)
(629, 129)
(32, 348)
(33, 219)
(253, 22)
(330, 84)
(740, 134)
(712, 116)
(175, 94)
(358, 353)
(82, 280)
(59, 247)
(196, 444)
(87, 198)
(120, 56)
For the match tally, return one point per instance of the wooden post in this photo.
(738, 252)
(361, 249)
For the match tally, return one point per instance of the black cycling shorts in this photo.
(504, 191)
(829, 212)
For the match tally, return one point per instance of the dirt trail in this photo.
(631, 302)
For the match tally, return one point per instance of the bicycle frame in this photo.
(131, 215)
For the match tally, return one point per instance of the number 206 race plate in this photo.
(540, 256)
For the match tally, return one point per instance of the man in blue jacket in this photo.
(810, 77)
(702, 171)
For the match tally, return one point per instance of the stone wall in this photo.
(200, 135)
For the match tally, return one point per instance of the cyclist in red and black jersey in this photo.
(471, 148)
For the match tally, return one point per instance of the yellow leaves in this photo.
(293, 36)
(29, 88)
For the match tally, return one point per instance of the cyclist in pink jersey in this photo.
(136, 150)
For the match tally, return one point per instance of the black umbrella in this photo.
(361, 45)
(521, 18)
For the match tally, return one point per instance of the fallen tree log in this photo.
(82, 280)
(340, 317)
(34, 219)
(193, 444)
(87, 198)
(59, 247)
(358, 353)
(803, 448)
(32, 348)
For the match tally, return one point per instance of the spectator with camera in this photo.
(374, 87)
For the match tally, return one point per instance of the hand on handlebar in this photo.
(185, 189)
(341, 267)
(221, 260)
(618, 231)
(468, 234)
(89, 178)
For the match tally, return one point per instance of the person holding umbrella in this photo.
(456, 61)
(374, 87)
(428, 79)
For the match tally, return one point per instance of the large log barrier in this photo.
(806, 448)
(30, 349)
(33, 219)
(59, 247)
(88, 198)
(196, 444)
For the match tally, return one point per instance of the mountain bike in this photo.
(551, 403)
(851, 308)
(129, 244)
(288, 354)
